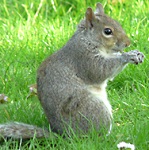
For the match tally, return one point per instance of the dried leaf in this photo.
(32, 90)
(3, 98)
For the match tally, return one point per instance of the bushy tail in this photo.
(23, 131)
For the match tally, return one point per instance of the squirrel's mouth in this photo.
(117, 50)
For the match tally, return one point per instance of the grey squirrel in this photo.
(71, 83)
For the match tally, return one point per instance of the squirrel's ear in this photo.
(90, 17)
(99, 9)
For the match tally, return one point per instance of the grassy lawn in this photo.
(32, 30)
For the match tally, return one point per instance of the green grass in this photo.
(30, 32)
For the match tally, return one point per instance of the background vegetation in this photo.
(32, 30)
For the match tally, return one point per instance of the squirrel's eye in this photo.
(107, 31)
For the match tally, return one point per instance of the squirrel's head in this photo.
(102, 29)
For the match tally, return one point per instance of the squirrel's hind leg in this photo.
(87, 112)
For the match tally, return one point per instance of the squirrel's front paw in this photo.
(134, 57)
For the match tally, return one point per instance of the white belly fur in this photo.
(100, 92)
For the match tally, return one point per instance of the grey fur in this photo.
(71, 83)
(67, 80)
